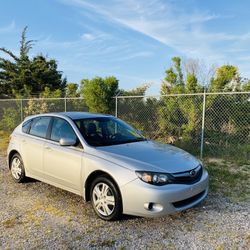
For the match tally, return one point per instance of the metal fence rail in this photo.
(205, 124)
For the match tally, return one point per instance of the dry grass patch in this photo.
(230, 180)
(4, 141)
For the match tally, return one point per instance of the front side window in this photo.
(62, 129)
(106, 131)
(40, 126)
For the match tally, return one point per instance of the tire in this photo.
(17, 168)
(106, 199)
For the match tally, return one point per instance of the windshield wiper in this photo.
(112, 143)
(134, 140)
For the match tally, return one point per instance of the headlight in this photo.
(154, 178)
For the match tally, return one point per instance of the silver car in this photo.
(107, 162)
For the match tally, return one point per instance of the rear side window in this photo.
(61, 129)
(40, 126)
(26, 126)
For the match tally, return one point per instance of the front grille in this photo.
(187, 177)
(188, 201)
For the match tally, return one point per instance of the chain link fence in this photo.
(13, 111)
(206, 124)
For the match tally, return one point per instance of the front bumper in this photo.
(146, 200)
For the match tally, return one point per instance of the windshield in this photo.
(106, 131)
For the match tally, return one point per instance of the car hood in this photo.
(149, 156)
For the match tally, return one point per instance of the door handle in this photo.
(23, 140)
(48, 148)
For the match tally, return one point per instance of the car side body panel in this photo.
(32, 154)
(119, 174)
(63, 165)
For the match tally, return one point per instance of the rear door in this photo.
(32, 144)
(62, 164)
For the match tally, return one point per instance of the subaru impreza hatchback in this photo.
(107, 162)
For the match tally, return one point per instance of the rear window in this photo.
(40, 126)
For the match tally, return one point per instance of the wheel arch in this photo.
(11, 154)
(92, 177)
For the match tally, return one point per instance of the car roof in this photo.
(71, 115)
(82, 115)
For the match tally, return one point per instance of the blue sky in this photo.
(133, 40)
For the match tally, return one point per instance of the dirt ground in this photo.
(35, 215)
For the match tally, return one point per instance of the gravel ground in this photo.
(35, 215)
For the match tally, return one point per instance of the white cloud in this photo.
(167, 23)
(88, 36)
(8, 28)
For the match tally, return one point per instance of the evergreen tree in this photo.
(225, 75)
(24, 76)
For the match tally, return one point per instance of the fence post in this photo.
(116, 103)
(65, 104)
(21, 107)
(203, 124)
(116, 106)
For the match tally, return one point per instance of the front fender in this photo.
(120, 174)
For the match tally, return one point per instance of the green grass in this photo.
(4, 140)
(229, 180)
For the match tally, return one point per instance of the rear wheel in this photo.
(17, 168)
(106, 199)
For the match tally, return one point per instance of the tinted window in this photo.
(61, 129)
(105, 131)
(26, 126)
(40, 126)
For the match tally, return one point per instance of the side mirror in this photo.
(67, 142)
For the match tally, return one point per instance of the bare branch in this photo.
(26, 46)
(8, 52)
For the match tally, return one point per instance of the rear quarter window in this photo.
(26, 126)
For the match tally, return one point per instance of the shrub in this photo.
(10, 119)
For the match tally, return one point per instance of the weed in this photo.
(229, 180)
(107, 243)
(10, 223)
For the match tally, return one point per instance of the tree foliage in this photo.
(227, 78)
(138, 91)
(24, 76)
(179, 73)
(192, 83)
(72, 90)
(246, 86)
(99, 93)
(179, 116)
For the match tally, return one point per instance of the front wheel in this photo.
(17, 168)
(106, 199)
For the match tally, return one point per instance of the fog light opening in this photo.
(150, 205)
(153, 207)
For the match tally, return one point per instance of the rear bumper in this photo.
(146, 200)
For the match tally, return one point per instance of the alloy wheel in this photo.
(103, 199)
(16, 168)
